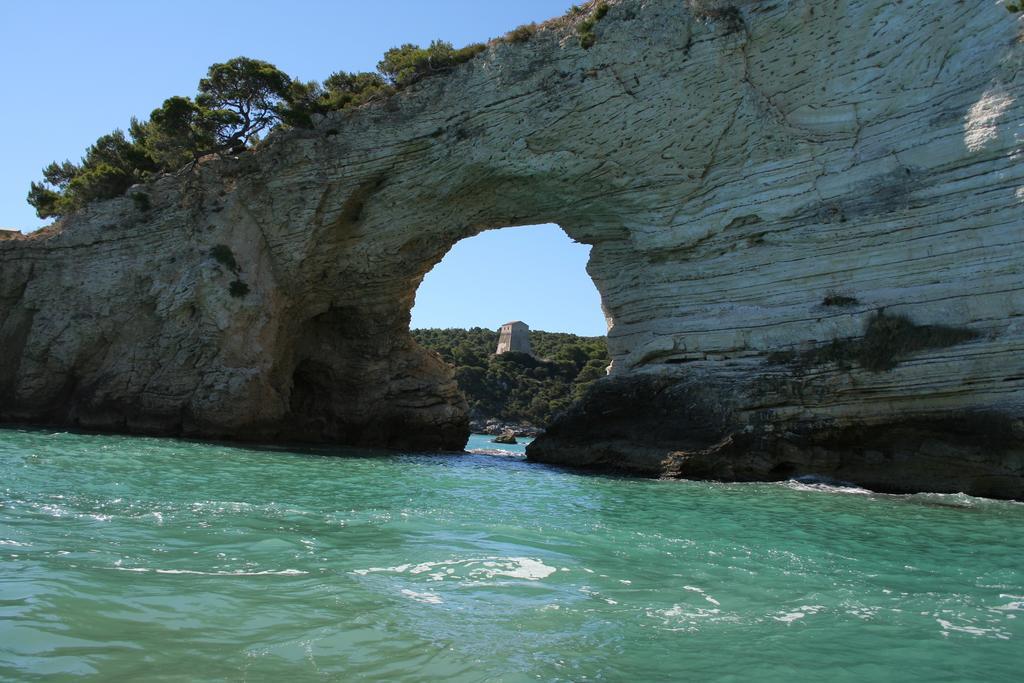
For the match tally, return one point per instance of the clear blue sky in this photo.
(532, 273)
(75, 70)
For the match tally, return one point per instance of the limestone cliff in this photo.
(806, 230)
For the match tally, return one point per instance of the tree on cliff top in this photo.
(110, 166)
(177, 133)
(340, 90)
(244, 95)
(408, 63)
(237, 101)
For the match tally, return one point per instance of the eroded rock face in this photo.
(756, 193)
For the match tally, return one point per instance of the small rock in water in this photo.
(507, 437)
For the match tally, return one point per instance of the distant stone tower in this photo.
(514, 336)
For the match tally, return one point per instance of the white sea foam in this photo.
(799, 613)
(695, 589)
(864, 612)
(957, 500)
(220, 506)
(52, 510)
(496, 452)
(687, 618)
(426, 598)
(948, 627)
(526, 569)
(1016, 603)
(824, 485)
(790, 617)
(266, 572)
(953, 500)
(472, 568)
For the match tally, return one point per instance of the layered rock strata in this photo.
(806, 229)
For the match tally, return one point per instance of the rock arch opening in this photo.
(535, 275)
(359, 376)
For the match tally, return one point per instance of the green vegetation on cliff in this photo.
(238, 102)
(515, 387)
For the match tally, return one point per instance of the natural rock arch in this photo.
(751, 206)
(399, 394)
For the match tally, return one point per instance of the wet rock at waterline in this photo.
(661, 426)
(805, 221)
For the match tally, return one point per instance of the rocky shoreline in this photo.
(659, 427)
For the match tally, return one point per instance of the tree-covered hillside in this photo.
(515, 387)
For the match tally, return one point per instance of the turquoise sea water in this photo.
(130, 558)
(482, 443)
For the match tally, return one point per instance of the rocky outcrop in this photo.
(805, 219)
(662, 426)
(506, 437)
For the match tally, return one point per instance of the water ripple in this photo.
(127, 558)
